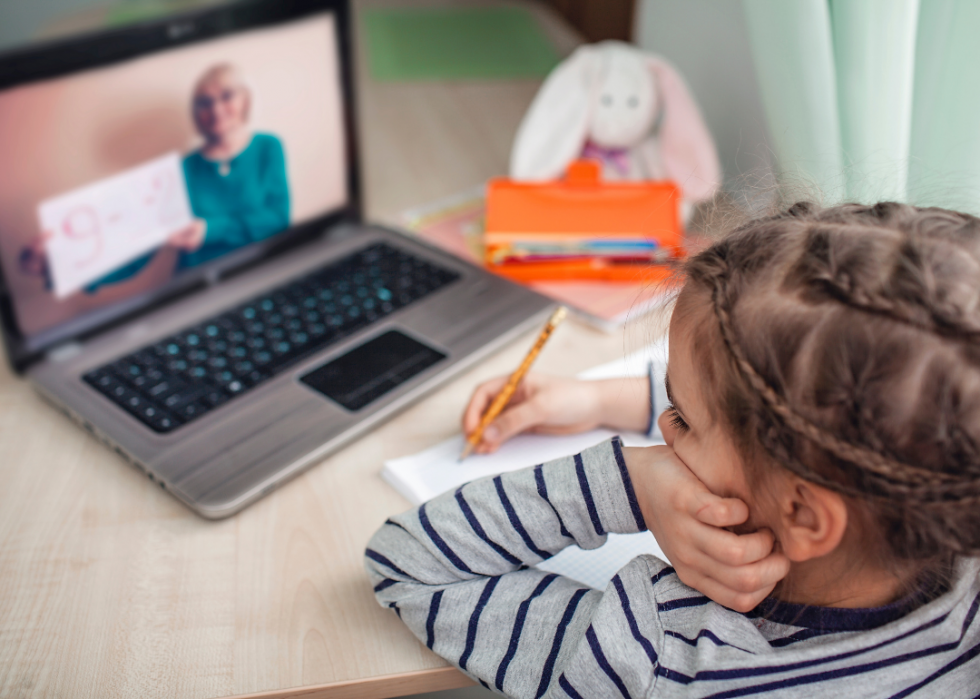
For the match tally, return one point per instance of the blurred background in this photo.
(706, 39)
(836, 99)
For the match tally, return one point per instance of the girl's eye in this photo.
(676, 421)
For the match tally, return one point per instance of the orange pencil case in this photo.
(581, 228)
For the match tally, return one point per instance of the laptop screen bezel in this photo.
(76, 54)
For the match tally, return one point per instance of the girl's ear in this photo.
(812, 522)
(556, 125)
(687, 150)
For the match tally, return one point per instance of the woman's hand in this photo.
(33, 257)
(190, 238)
(688, 521)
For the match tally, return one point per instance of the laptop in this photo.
(185, 271)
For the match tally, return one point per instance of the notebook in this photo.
(422, 476)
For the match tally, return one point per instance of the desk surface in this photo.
(110, 588)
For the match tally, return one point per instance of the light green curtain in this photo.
(870, 100)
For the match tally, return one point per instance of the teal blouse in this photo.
(246, 204)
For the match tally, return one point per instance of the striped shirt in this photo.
(459, 573)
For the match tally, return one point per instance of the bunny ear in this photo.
(554, 129)
(687, 150)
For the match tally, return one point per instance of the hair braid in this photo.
(937, 320)
(843, 344)
(887, 475)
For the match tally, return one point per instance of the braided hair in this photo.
(850, 355)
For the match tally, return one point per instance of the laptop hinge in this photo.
(64, 352)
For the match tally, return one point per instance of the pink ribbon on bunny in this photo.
(625, 107)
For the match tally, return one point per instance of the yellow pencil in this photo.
(500, 402)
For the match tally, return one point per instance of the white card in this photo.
(93, 230)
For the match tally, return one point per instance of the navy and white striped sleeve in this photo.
(456, 569)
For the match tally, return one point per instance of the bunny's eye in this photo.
(606, 100)
(633, 102)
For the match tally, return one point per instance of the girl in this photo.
(824, 371)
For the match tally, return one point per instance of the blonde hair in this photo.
(215, 72)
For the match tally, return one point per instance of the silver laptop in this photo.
(184, 268)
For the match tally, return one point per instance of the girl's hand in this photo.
(688, 521)
(541, 403)
(189, 239)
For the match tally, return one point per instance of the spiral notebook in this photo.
(422, 476)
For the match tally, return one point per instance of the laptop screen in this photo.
(118, 182)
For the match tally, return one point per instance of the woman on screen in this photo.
(237, 179)
(236, 183)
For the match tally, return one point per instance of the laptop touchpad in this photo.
(370, 370)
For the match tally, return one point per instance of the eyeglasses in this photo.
(209, 102)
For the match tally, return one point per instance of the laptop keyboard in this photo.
(180, 378)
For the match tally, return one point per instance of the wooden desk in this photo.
(110, 588)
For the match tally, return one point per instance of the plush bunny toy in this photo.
(629, 109)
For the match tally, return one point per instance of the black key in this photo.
(102, 380)
(179, 399)
(197, 356)
(151, 377)
(214, 397)
(134, 402)
(191, 411)
(160, 421)
(255, 377)
(128, 369)
(243, 368)
(177, 365)
(120, 393)
(165, 388)
(145, 357)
